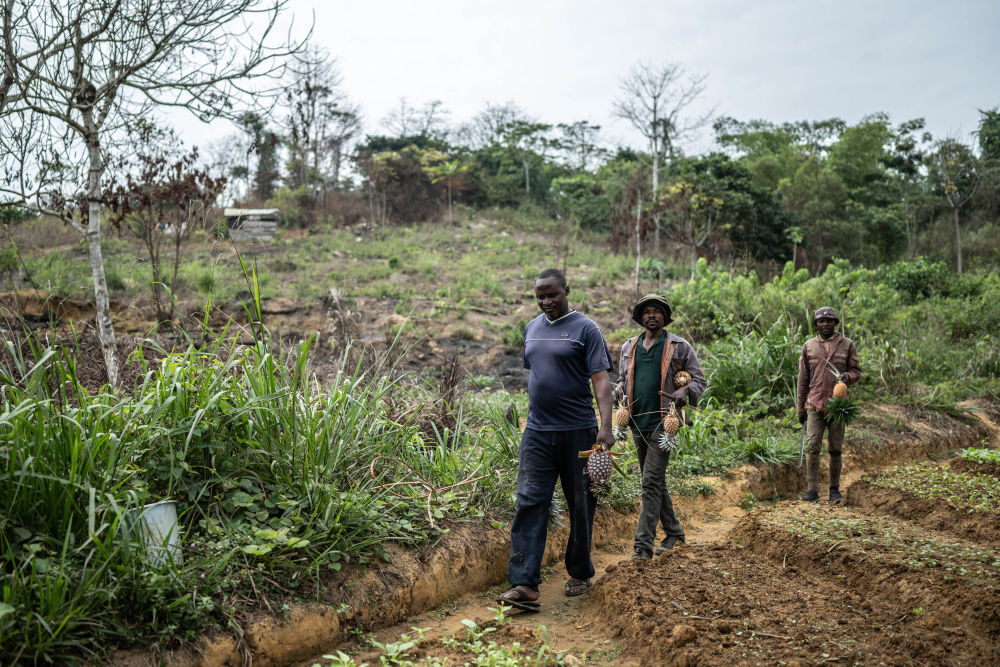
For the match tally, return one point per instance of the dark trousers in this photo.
(544, 456)
(657, 507)
(815, 426)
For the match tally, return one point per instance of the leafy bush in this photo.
(917, 279)
(755, 371)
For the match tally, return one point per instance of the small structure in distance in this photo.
(251, 224)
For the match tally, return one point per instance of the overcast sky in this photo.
(562, 60)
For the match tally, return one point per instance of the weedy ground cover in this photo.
(962, 490)
(981, 455)
(887, 541)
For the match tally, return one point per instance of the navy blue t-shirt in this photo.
(562, 355)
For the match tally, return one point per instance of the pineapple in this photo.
(840, 388)
(620, 423)
(682, 379)
(598, 469)
(672, 422)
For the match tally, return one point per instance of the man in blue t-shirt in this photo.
(566, 354)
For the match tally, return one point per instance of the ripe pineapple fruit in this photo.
(672, 422)
(621, 417)
(840, 388)
(598, 469)
(682, 379)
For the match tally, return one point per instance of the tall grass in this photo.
(273, 474)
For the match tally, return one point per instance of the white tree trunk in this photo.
(958, 240)
(105, 330)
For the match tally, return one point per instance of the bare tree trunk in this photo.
(527, 180)
(337, 157)
(105, 330)
(638, 238)
(958, 239)
(694, 259)
(652, 195)
(450, 220)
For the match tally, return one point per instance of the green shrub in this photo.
(755, 371)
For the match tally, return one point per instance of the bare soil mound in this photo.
(720, 605)
(976, 467)
(949, 584)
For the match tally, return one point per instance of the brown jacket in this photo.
(682, 358)
(816, 379)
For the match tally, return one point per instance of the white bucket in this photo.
(157, 523)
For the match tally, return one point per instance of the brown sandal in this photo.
(577, 587)
(517, 598)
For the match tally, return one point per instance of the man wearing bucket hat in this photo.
(828, 358)
(651, 381)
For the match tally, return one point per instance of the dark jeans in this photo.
(544, 456)
(657, 507)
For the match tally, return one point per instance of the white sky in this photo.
(562, 60)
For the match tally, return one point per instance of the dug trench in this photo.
(743, 589)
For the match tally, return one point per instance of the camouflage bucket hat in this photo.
(827, 312)
(652, 300)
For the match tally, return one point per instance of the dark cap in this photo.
(827, 312)
(652, 300)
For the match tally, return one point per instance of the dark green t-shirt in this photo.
(646, 383)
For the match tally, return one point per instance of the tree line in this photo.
(83, 83)
(809, 192)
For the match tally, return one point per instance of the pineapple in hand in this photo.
(620, 423)
(840, 388)
(839, 409)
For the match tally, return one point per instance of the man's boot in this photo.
(835, 495)
(835, 466)
(812, 477)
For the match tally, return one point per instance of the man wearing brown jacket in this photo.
(648, 365)
(826, 359)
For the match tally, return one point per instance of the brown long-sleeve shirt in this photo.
(816, 379)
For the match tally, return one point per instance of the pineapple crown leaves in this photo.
(840, 411)
(833, 371)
